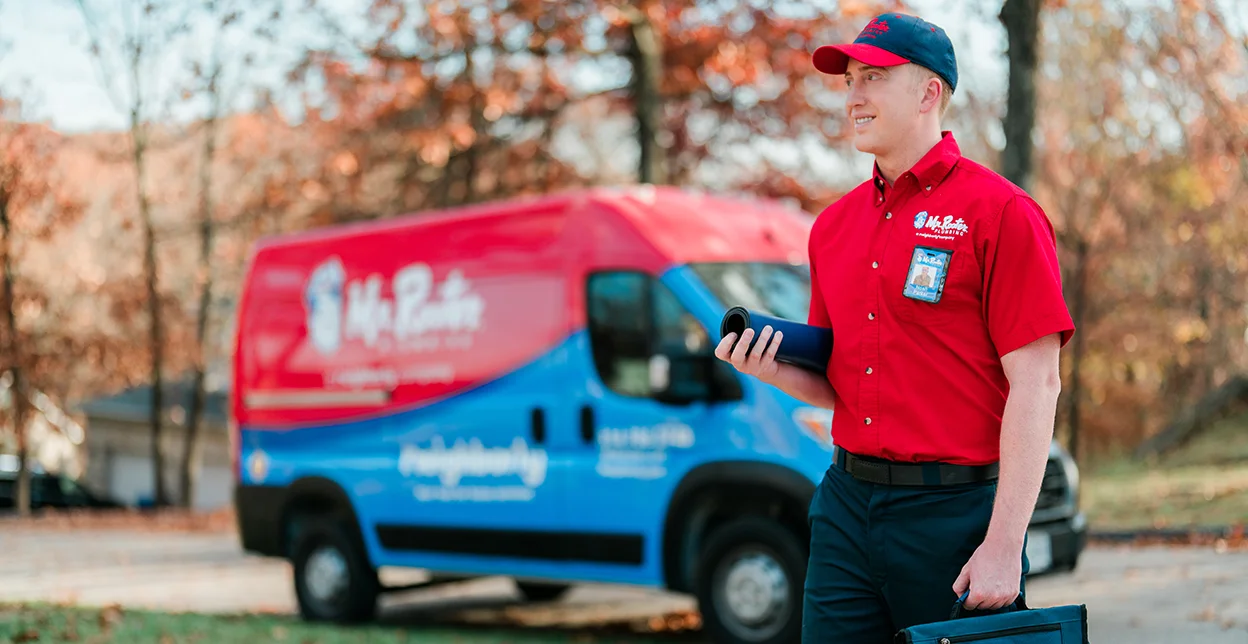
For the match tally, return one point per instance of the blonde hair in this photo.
(923, 74)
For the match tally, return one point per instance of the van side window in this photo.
(676, 331)
(619, 314)
(632, 316)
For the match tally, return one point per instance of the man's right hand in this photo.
(759, 362)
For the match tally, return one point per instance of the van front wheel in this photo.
(334, 581)
(749, 583)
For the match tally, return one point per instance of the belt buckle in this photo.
(870, 471)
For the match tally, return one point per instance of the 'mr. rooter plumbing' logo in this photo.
(365, 314)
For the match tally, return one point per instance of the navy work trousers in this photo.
(884, 557)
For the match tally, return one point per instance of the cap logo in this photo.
(874, 29)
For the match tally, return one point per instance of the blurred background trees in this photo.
(249, 119)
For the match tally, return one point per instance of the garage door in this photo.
(130, 478)
(130, 481)
(213, 490)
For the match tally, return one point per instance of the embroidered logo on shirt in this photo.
(937, 228)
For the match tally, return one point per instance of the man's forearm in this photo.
(806, 386)
(1026, 432)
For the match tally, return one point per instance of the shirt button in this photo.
(867, 421)
(888, 216)
(929, 188)
(870, 316)
(868, 371)
(875, 264)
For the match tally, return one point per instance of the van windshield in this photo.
(771, 288)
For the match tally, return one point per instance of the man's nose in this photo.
(854, 98)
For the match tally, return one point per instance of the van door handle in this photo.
(587, 424)
(538, 424)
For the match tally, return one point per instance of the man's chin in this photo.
(865, 143)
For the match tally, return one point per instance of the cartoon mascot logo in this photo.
(323, 299)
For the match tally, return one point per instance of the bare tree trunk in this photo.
(1079, 314)
(472, 155)
(1021, 19)
(646, 56)
(17, 390)
(1207, 348)
(190, 448)
(139, 136)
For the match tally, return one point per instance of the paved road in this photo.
(1139, 595)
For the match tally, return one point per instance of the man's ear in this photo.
(932, 88)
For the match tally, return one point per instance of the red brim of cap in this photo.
(834, 59)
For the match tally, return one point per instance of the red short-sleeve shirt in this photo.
(917, 368)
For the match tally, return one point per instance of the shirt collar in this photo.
(931, 169)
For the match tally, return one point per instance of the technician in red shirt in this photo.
(940, 281)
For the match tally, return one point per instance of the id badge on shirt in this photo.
(925, 281)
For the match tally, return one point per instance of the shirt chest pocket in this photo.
(929, 282)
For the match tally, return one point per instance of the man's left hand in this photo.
(992, 574)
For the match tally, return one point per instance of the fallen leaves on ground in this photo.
(162, 520)
(1233, 539)
(28, 635)
(129, 625)
(674, 622)
(109, 616)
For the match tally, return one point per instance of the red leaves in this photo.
(452, 98)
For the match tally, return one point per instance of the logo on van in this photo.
(416, 307)
(323, 299)
(470, 459)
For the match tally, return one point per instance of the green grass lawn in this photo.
(53, 623)
(1204, 483)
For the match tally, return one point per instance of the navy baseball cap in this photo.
(894, 39)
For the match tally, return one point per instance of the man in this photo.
(924, 277)
(945, 392)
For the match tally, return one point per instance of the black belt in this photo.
(874, 470)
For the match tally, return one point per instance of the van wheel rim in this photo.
(327, 575)
(752, 591)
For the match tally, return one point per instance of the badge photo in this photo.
(925, 279)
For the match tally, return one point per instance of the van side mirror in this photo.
(681, 379)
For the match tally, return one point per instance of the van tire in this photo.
(540, 591)
(334, 581)
(749, 582)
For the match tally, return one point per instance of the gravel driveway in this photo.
(1142, 595)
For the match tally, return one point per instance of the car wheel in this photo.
(541, 592)
(749, 583)
(334, 580)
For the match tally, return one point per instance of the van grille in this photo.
(1053, 488)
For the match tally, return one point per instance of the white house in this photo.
(119, 454)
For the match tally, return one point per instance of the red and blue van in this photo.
(528, 388)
